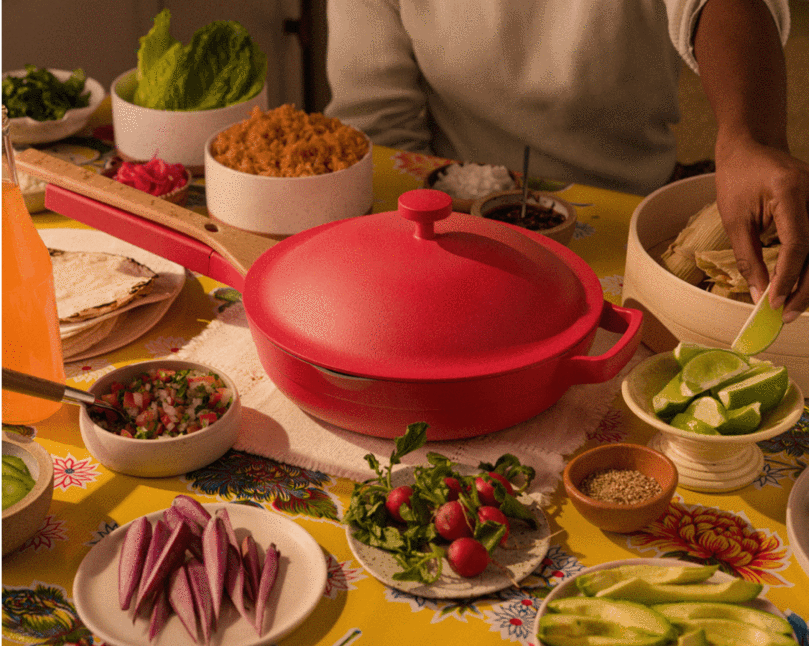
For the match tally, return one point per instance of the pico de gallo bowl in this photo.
(164, 403)
(183, 416)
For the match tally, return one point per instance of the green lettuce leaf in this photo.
(221, 66)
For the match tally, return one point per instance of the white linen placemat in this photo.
(274, 427)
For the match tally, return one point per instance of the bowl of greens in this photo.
(46, 105)
(181, 94)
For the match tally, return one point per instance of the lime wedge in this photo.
(686, 422)
(762, 327)
(670, 400)
(741, 420)
(768, 388)
(709, 410)
(685, 351)
(709, 369)
(755, 368)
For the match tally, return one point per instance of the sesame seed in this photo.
(621, 486)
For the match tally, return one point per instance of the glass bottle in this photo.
(31, 340)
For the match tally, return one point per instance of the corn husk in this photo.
(703, 232)
(720, 269)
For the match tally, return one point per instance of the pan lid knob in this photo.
(425, 207)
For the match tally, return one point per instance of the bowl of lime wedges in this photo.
(710, 407)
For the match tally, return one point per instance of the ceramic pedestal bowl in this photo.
(709, 463)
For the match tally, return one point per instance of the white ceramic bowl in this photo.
(678, 311)
(705, 462)
(159, 458)
(26, 131)
(176, 136)
(286, 205)
(24, 518)
(568, 588)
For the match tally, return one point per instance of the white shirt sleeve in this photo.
(683, 16)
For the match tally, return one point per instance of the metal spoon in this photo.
(525, 156)
(20, 382)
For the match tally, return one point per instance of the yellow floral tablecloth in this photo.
(744, 531)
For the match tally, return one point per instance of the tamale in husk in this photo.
(703, 232)
(720, 268)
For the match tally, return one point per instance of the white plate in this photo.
(519, 562)
(297, 590)
(141, 317)
(798, 520)
(567, 588)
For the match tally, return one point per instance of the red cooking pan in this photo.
(376, 322)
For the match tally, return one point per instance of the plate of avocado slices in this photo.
(659, 602)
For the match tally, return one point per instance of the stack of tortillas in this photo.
(89, 286)
(106, 299)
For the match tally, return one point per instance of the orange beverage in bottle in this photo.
(31, 340)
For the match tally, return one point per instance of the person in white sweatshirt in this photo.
(591, 86)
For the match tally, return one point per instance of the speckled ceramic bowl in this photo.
(24, 518)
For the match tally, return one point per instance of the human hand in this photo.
(757, 186)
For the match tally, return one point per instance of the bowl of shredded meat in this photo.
(282, 171)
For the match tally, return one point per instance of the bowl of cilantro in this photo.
(46, 105)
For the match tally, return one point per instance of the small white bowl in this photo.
(26, 131)
(176, 136)
(705, 462)
(286, 205)
(160, 458)
(24, 518)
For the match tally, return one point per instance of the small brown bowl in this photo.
(24, 518)
(616, 517)
(562, 233)
(177, 196)
(460, 205)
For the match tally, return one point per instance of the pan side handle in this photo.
(597, 369)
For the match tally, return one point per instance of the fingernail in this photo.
(777, 302)
(790, 316)
(755, 293)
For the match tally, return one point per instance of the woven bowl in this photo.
(615, 517)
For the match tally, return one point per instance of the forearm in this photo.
(741, 65)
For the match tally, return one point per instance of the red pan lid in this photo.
(422, 294)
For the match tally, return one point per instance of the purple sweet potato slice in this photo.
(161, 611)
(268, 574)
(132, 558)
(215, 558)
(203, 602)
(181, 599)
(171, 556)
(252, 566)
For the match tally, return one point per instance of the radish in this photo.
(132, 558)
(467, 557)
(181, 599)
(171, 556)
(451, 521)
(252, 566)
(454, 487)
(268, 574)
(396, 498)
(161, 611)
(203, 600)
(494, 514)
(215, 555)
(485, 488)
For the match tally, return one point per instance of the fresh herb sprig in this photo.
(42, 96)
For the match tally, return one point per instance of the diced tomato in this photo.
(125, 432)
(146, 418)
(116, 386)
(206, 419)
(110, 398)
(164, 374)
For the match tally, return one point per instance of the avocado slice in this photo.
(633, 616)
(706, 610)
(727, 632)
(557, 629)
(693, 638)
(641, 591)
(592, 583)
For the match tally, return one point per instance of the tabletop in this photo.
(744, 531)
